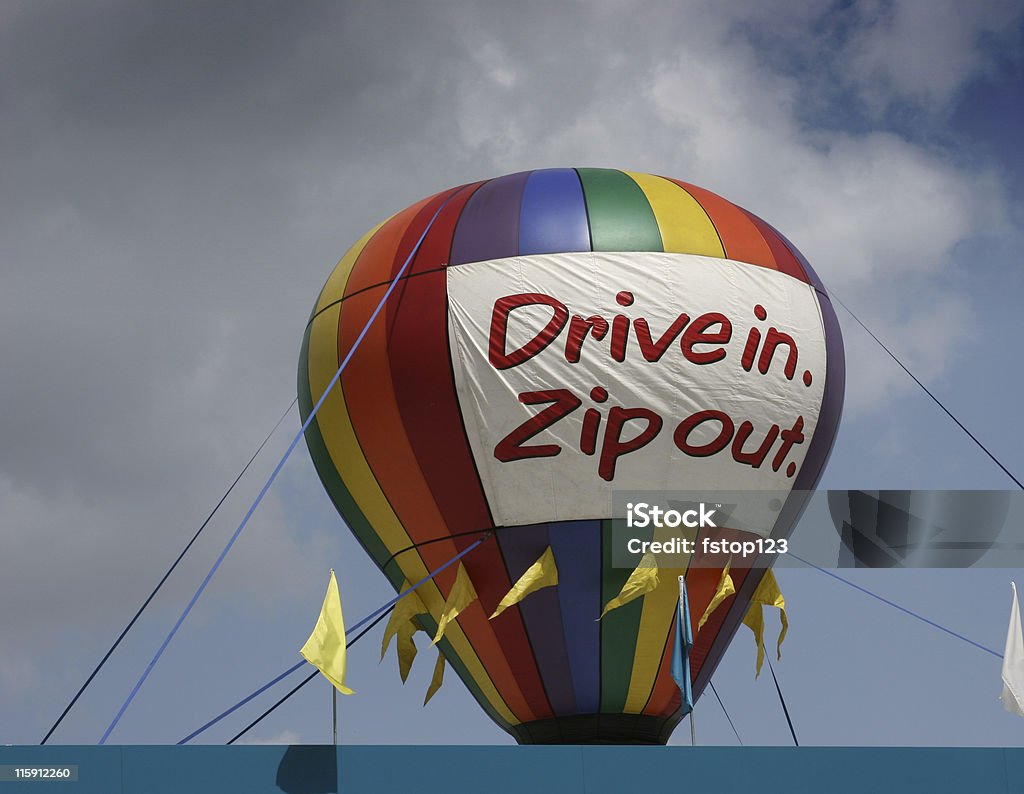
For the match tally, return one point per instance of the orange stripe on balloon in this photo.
(742, 240)
(373, 266)
(377, 422)
(701, 584)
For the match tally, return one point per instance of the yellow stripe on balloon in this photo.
(334, 289)
(655, 621)
(684, 225)
(659, 610)
(343, 447)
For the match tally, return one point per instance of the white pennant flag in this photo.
(1013, 661)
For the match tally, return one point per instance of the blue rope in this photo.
(358, 625)
(893, 604)
(273, 476)
(166, 576)
(243, 701)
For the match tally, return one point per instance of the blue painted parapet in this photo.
(424, 769)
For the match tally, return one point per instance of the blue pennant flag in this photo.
(681, 649)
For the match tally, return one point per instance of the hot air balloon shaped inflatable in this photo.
(556, 335)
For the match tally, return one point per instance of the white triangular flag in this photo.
(1013, 661)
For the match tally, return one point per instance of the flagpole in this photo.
(693, 731)
(334, 712)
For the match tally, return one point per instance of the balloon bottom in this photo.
(597, 729)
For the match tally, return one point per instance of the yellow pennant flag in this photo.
(543, 573)
(461, 596)
(436, 679)
(643, 579)
(325, 648)
(766, 594)
(403, 623)
(725, 589)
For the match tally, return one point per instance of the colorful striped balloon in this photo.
(558, 335)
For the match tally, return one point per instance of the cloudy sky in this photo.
(179, 179)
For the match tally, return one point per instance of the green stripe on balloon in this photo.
(619, 628)
(620, 216)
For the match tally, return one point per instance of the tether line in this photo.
(195, 537)
(301, 684)
(725, 712)
(782, 700)
(935, 399)
(377, 613)
(277, 470)
(894, 605)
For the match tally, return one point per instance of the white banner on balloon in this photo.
(580, 374)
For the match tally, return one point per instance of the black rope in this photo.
(131, 623)
(724, 711)
(782, 700)
(438, 539)
(935, 399)
(302, 683)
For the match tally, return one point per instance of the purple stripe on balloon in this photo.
(806, 479)
(488, 227)
(831, 402)
(554, 215)
(835, 383)
(542, 615)
(577, 549)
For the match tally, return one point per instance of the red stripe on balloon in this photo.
(710, 652)
(424, 385)
(420, 224)
(437, 246)
(425, 394)
(787, 263)
(377, 423)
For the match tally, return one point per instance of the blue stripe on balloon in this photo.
(553, 217)
(577, 549)
(542, 615)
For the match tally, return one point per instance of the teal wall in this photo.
(522, 770)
